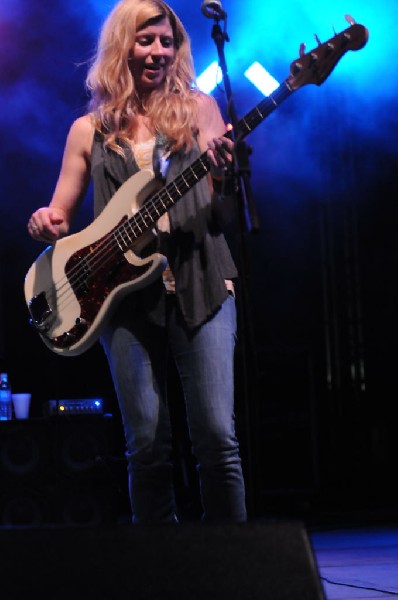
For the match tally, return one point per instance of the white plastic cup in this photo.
(21, 404)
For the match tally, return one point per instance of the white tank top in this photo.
(143, 154)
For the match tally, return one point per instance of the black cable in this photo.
(358, 587)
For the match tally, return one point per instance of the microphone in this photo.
(212, 9)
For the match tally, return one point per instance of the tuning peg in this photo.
(302, 49)
(349, 19)
(317, 39)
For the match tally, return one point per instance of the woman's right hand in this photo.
(48, 224)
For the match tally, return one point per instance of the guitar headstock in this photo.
(316, 66)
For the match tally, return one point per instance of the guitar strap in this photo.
(161, 157)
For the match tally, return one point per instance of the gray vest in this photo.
(197, 251)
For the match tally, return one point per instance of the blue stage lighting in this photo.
(261, 79)
(210, 78)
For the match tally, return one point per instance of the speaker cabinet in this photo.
(25, 450)
(252, 561)
(57, 470)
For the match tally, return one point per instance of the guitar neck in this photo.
(263, 109)
(169, 195)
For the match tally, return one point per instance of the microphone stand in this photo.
(248, 222)
(241, 150)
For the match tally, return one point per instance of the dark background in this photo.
(316, 362)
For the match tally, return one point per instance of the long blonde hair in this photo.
(114, 102)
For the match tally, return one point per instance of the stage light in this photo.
(210, 78)
(261, 79)
(256, 74)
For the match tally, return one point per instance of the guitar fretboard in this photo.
(156, 206)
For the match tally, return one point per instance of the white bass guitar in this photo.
(73, 287)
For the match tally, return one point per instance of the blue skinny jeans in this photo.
(137, 352)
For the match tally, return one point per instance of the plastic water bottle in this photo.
(5, 398)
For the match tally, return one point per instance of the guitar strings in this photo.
(107, 244)
(66, 289)
(132, 229)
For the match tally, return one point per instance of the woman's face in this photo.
(152, 54)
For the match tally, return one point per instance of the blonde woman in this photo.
(146, 114)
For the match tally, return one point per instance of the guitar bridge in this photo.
(42, 314)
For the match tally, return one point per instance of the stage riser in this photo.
(266, 560)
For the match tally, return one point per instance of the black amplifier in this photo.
(79, 406)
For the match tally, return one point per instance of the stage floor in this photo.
(356, 563)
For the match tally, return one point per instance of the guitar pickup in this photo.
(42, 314)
